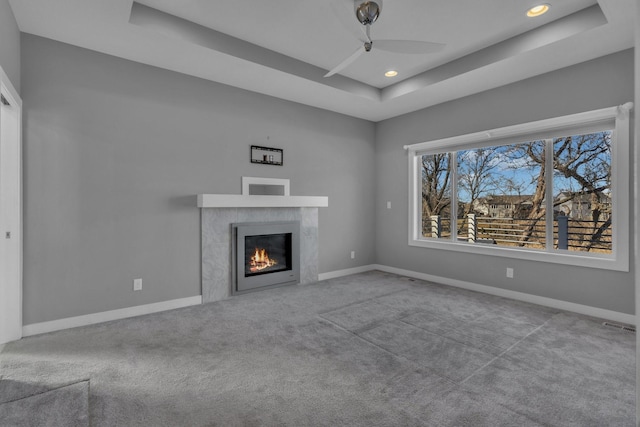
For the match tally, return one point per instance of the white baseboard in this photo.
(345, 272)
(106, 316)
(520, 296)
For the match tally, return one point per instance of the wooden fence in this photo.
(568, 234)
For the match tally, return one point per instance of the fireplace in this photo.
(265, 255)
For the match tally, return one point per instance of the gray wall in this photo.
(115, 152)
(600, 83)
(9, 44)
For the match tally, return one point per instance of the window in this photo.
(556, 190)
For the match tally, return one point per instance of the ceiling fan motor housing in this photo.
(368, 12)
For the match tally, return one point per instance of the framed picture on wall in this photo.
(266, 155)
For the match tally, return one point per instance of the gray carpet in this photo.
(373, 349)
(62, 406)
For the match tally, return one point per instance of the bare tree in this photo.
(436, 186)
(531, 157)
(476, 175)
(581, 166)
(583, 161)
(586, 161)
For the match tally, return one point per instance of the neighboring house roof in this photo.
(505, 199)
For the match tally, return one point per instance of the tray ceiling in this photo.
(283, 48)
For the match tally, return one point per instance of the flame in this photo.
(260, 260)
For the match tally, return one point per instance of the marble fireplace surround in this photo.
(219, 211)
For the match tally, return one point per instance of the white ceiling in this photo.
(283, 48)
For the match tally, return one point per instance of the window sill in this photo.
(604, 262)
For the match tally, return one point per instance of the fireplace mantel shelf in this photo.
(241, 201)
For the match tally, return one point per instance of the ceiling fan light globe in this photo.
(368, 12)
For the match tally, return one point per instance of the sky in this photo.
(509, 170)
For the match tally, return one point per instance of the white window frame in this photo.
(616, 118)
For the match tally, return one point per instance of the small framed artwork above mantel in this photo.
(267, 155)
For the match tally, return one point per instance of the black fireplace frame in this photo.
(242, 284)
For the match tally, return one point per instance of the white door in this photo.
(10, 212)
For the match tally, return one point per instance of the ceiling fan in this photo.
(367, 13)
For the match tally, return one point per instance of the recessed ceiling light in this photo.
(538, 10)
(391, 73)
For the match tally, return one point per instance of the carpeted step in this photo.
(37, 405)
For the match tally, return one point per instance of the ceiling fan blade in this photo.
(343, 10)
(408, 46)
(344, 64)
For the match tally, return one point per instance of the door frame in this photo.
(11, 271)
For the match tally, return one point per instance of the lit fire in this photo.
(260, 260)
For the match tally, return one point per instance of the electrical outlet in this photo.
(510, 273)
(137, 284)
(353, 254)
(388, 205)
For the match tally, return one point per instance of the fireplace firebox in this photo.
(265, 255)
